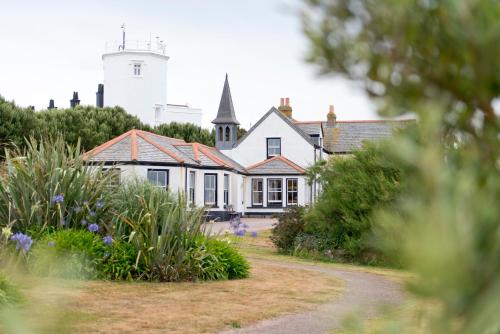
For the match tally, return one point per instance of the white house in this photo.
(135, 78)
(263, 172)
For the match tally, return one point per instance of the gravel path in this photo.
(254, 224)
(364, 293)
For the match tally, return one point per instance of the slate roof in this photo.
(147, 147)
(347, 136)
(309, 128)
(275, 165)
(225, 114)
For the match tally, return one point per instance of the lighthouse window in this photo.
(137, 69)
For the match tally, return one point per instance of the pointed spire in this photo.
(226, 110)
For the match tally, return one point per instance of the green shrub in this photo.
(290, 224)
(82, 254)
(9, 293)
(234, 264)
(48, 186)
(353, 188)
(161, 228)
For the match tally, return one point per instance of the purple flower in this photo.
(83, 222)
(77, 209)
(108, 240)
(51, 243)
(254, 234)
(99, 204)
(92, 213)
(239, 233)
(58, 199)
(22, 241)
(93, 227)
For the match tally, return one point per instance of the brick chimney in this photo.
(285, 107)
(331, 118)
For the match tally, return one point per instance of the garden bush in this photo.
(161, 228)
(48, 186)
(84, 255)
(353, 189)
(290, 224)
(234, 264)
(9, 293)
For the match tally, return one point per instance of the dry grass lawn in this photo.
(107, 307)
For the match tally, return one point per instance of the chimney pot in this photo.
(282, 101)
(287, 101)
(331, 109)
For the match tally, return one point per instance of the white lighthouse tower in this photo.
(135, 78)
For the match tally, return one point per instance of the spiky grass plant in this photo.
(48, 185)
(163, 229)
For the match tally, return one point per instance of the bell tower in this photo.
(226, 125)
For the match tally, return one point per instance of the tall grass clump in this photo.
(47, 185)
(164, 231)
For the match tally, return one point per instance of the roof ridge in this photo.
(109, 143)
(157, 135)
(215, 159)
(161, 148)
(360, 121)
(133, 146)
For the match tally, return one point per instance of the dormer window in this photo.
(273, 147)
(137, 69)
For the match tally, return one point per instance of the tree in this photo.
(93, 126)
(187, 131)
(407, 53)
(15, 124)
(439, 60)
(353, 189)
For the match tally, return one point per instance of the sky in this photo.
(48, 49)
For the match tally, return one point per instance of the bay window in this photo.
(292, 192)
(274, 192)
(257, 192)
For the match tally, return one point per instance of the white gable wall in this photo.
(253, 148)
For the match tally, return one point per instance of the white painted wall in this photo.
(293, 146)
(138, 95)
(182, 114)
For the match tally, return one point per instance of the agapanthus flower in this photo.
(58, 198)
(108, 240)
(83, 222)
(254, 234)
(92, 213)
(77, 209)
(22, 241)
(99, 204)
(239, 233)
(51, 243)
(93, 227)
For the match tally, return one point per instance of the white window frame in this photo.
(226, 189)
(256, 191)
(273, 149)
(292, 191)
(274, 191)
(209, 189)
(157, 172)
(192, 187)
